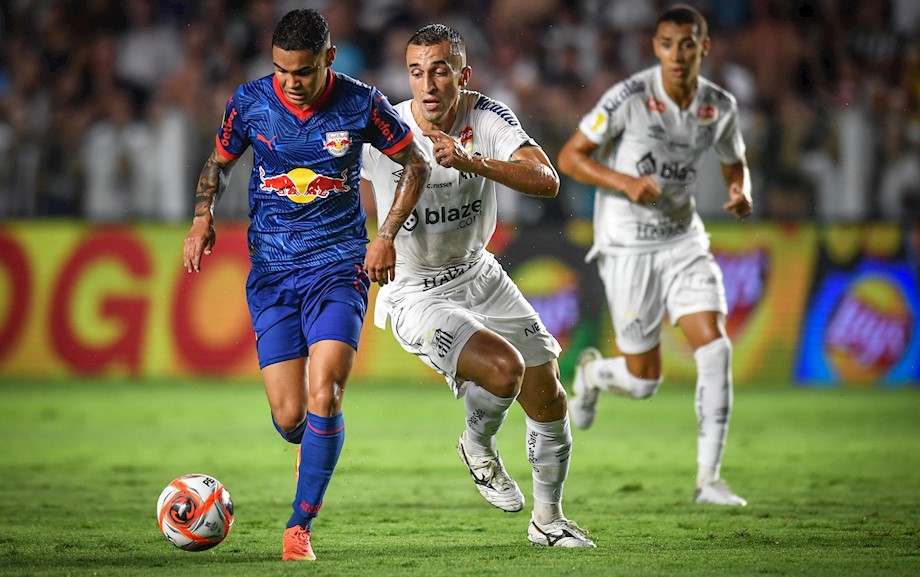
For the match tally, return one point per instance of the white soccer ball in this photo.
(195, 512)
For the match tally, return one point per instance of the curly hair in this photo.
(301, 30)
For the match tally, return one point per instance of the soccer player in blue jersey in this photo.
(311, 264)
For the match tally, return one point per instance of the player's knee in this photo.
(288, 419)
(504, 380)
(326, 400)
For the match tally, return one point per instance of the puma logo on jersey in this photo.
(267, 141)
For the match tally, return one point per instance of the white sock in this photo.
(612, 375)
(549, 446)
(485, 414)
(713, 405)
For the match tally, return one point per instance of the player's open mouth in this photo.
(430, 104)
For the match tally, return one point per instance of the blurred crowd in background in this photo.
(108, 108)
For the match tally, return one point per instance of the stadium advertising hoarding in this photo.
(815, 306)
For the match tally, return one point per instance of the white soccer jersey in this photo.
(455, 216)
(639, 131)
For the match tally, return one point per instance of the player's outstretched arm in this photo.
(380, 261)
(738, 179)
(576, 161)
(211, 186)
(529, 171)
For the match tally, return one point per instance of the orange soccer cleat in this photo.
(296, 545)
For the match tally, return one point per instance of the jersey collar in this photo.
(308, 111)
(659, 82)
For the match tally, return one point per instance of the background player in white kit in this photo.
(646, 135)
(451, 303)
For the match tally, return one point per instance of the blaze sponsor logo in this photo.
(464, 216)
(669, 170)
(646, 165)
(674, 171)
(337, 143)
(655, 105)
(302, 185)
(412, 221)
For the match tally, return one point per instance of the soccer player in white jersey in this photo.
(640, 145)
(450, 302)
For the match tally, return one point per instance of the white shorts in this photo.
(679, 279)
(435, 325)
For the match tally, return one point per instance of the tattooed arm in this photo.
(380, 261)
(211, 186)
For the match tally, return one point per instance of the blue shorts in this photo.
(292, 310)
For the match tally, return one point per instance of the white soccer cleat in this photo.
(583, 404)
(493, 482)
(717, 493)
(561, 533)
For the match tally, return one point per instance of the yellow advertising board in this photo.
(81, 300)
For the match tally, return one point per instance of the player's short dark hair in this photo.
(684, 14)
(434, 34)
(301, 30)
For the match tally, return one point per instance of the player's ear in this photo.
(465, 74)
(707, 43)
(330, 56)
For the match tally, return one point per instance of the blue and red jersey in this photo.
(304, 199)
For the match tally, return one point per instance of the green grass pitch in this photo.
(832, 477)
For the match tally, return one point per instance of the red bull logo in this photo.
(303, 185)
(337, 143)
